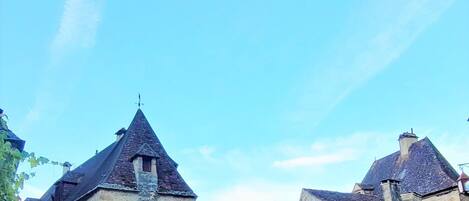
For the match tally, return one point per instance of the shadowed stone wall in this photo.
(452, 195)
(171, 198)
(111, 195)
(108, 195)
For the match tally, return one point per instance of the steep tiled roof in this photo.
(424, 171)
(112, 167)
(336, 196)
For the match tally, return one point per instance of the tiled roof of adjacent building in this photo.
(336, 196)
(423, 172)
(112, 169)
(15, 141)
(365, 186)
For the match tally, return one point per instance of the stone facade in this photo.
(464, 197)
(172, 198)
(410, 197)
(449, 195)
(113, 195)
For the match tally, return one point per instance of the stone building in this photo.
(135, 167)
(417, 172)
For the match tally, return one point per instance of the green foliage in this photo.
(9, 158)
(10, 181)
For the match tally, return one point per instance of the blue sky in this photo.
(254, 99)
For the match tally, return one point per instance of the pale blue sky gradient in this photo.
(254, 99)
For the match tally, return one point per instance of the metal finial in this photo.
(461, 166)
(139, 104)
(412, 130)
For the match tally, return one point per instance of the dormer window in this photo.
(146, 164)
(145, 161)
(366, 189)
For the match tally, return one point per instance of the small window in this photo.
(146, 164)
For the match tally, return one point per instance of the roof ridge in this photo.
(442, 162)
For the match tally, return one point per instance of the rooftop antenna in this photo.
(461, 166)
(139, 103)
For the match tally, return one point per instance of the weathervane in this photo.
(139, 104)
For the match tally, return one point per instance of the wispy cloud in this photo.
(77, 29)
(369, 46)
(78, 26)
(256, 191)
(330, 151)
(234, 159)
(318, 160)
(207, 152)
(31, 191)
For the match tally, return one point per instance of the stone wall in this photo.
(112, 195)
(410, 197)
(452, 195)
(171, 198)
(109, 195)
(464, 197)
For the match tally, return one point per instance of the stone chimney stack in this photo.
(391, 191)
(405, 141)
(120, 133)
(66, 167)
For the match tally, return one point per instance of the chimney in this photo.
(391, 190)
(66, 167)
(120, 133)
(406, 140)
(463, 183)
